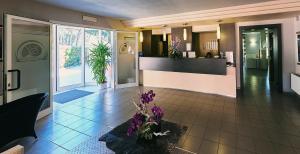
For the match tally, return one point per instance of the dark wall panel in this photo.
(196, 43)
(227, 41)
(178, 33)
(156, 45)
(146, 45)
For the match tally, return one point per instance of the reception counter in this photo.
(186, 65)
(295, 83)
(199, 75)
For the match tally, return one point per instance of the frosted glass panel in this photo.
(30, 54)
(126, 58)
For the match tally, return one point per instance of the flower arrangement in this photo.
(145, 123)
(174, 48)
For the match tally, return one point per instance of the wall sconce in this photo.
(164, 36)
(184, 32)
(218, 39)
(218, 32)
(141, 37)
(164, 33)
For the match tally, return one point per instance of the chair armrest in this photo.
(15, 150)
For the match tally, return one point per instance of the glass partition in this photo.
(127, 59)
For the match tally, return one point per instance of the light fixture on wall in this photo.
(184, 32)
(141, 37)
(218, 32)
(219, 37)
(164, 36)
(164, 33)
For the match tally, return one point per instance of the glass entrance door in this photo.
(127, 59)
(27, 59)
(92, 38)
(70, 53)
(73, 51)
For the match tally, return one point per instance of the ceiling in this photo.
(134, 9)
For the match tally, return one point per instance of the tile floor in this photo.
(258, 121)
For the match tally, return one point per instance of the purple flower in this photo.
(142, 117)
(137, 121)
(158, 113)
(147, 97)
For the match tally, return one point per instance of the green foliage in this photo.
(146, 131)
(99, 60)
(73, 57)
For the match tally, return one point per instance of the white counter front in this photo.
(207, 83)
(295, 83)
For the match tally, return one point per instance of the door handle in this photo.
(18, 79)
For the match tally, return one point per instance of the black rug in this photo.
(118, 141)
(70, 95)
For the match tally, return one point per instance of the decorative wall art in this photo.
(126, 48)
(31, 51)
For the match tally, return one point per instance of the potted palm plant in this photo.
(99, 60)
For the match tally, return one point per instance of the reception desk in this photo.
(185, 65)
(199, 75)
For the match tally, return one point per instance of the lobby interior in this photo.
(226, 75)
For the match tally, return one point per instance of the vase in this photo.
(154, 129)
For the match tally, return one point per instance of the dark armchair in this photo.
(17, 118)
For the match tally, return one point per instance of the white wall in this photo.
(41, 11)
(289, 47)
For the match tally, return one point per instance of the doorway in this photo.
(73, 45)
(261, 58)
(26, 60)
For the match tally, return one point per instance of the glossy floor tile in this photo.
(260, 120)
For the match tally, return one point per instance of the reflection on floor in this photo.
(255, 122)
(257, 81)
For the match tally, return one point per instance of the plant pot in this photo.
(157, 128)
(103, 85)
(154, 129)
